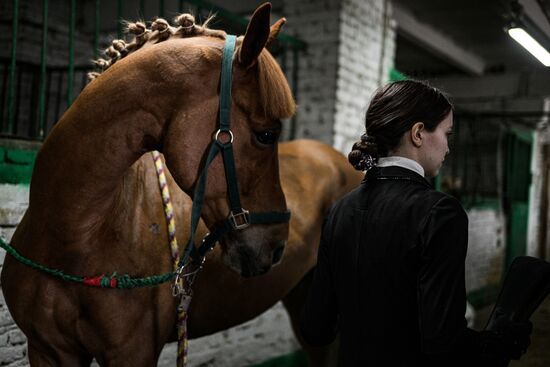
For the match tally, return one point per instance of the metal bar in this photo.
(72, 21)
(43, 61)
(48, 99)
(32, 127)
(11, 82)
(17, 109)
(119, 11)
(96, 28)
(58, 96)
(3, 93)
(161, 8)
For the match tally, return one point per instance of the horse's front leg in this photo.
(129, 327)
(48, 356)
(317, 356)
(138, 352)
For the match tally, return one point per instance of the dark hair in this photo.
(393, 110)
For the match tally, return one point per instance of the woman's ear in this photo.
(416, 134)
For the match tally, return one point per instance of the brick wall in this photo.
(366, 53)
(351, 47)
(13, 203)
(486, 248)
(318, 24)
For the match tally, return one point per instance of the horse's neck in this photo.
(84, 159)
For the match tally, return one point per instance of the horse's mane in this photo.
(159, 31)
(275, 95)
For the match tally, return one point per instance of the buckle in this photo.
(179, 288)
(239, 220)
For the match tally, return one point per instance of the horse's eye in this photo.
(267, 137)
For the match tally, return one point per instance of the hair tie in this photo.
(368, 161)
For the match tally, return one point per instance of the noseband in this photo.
(238, 218)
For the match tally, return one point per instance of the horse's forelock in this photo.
(275, 95)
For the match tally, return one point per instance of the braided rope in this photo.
(168, 210)
(104, 281)
(183, 343)
(169, 215)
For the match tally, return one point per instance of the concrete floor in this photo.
(538, 354)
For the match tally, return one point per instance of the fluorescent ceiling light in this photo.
(530, 44)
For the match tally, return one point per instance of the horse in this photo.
(313, 176)
(159, 92)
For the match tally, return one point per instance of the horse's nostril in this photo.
(278, 253)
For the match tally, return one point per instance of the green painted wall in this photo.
(16, 165)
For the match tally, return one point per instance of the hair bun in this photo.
(364, 153)
(368, 139)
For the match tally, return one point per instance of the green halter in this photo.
(238, 218)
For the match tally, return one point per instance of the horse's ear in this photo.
(256, 35)
(274, 31)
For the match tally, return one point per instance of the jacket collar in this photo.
(395, 173)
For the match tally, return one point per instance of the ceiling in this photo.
(469, 35)
(472, 28)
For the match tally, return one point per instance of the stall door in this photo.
(516, 196)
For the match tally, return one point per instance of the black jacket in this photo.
(390, 275)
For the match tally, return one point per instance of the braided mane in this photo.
(274, 94)
(159, 31)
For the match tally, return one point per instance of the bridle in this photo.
(238, 218)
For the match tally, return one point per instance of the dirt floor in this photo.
(538, 354)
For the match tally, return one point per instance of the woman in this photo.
(390, 272)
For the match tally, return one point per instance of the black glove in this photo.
(508, 341)
(517, 337)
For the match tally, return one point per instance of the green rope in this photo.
(104, 281)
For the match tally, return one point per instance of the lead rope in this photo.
(185, 298)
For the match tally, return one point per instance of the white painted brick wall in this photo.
(486, 248)
(343, 65)
(317, 23)
(265, 337)
(13, 203)
(366, 52)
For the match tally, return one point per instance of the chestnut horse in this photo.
(313, 176)
(86, 217)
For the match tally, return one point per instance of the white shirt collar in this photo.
(401, 162)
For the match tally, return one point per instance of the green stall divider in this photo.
(15, 174)
(20, 157)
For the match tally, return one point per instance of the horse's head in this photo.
(186, 68)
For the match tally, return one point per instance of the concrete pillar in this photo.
(351, 47)
(539, 196)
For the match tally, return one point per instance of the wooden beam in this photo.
(533, 11)
(436, 42)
